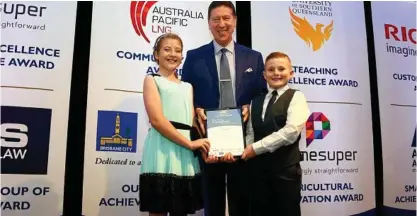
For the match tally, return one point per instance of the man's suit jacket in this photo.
(200, 70)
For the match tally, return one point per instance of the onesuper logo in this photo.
(318, 127)
(23, 16)
(19, 10)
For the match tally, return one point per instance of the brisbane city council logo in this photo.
(163, 18)
(313, 37)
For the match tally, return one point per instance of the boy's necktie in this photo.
(226, 88)
(268, 111)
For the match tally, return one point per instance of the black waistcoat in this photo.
(286, 155)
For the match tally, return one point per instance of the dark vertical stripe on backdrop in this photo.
(74, 166)
(243, 25)
(376, 124)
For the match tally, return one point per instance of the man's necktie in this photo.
(226, 87)
(268, 111)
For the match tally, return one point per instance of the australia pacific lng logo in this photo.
(138, 13)
(314, 37)
(317, 127)
(163, 19)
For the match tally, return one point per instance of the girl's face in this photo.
(169, 54)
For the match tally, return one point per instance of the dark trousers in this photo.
(276, 192)
(214, 188)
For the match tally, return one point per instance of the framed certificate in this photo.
(225, 131)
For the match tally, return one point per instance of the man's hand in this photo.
(201, 117)
(248, 153)
(228, 158)
(245, 112)
(209, 159)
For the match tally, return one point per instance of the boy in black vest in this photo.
(273, 132)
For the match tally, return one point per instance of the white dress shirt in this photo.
(231, 59)
(297, 115)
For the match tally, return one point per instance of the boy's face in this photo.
(278, 71)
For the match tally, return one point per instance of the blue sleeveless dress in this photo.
(170, 178)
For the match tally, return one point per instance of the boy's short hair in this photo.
(277, 55)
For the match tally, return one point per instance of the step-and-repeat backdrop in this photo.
(394, 25)
(326, 42)
(122, 38)
(37, 40)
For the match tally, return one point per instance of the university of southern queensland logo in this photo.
(25, 133)
(116, 131)
(163, 18)
(314, 37)
(317, 127)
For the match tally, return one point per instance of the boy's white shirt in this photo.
(297, 115)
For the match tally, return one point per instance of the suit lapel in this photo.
(240, 59)
(212, 66)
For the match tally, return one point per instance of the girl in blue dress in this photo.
(170, 179)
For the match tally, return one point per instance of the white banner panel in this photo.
(123, 35)
(327, 45)
(395, 36)
(37, 40)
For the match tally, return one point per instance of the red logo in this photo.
(406, 34)
(138, 13)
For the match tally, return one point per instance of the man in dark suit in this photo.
(223, 74)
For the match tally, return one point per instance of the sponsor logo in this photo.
(316, 36)
(139, 13)
(400, 40)
(162, 19)
(317, 127)
(116, 131)
(25, 138)
(17, 10)
(400, 33)
(413, 144)
(13, 13)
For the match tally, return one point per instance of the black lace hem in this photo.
(162, 193)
